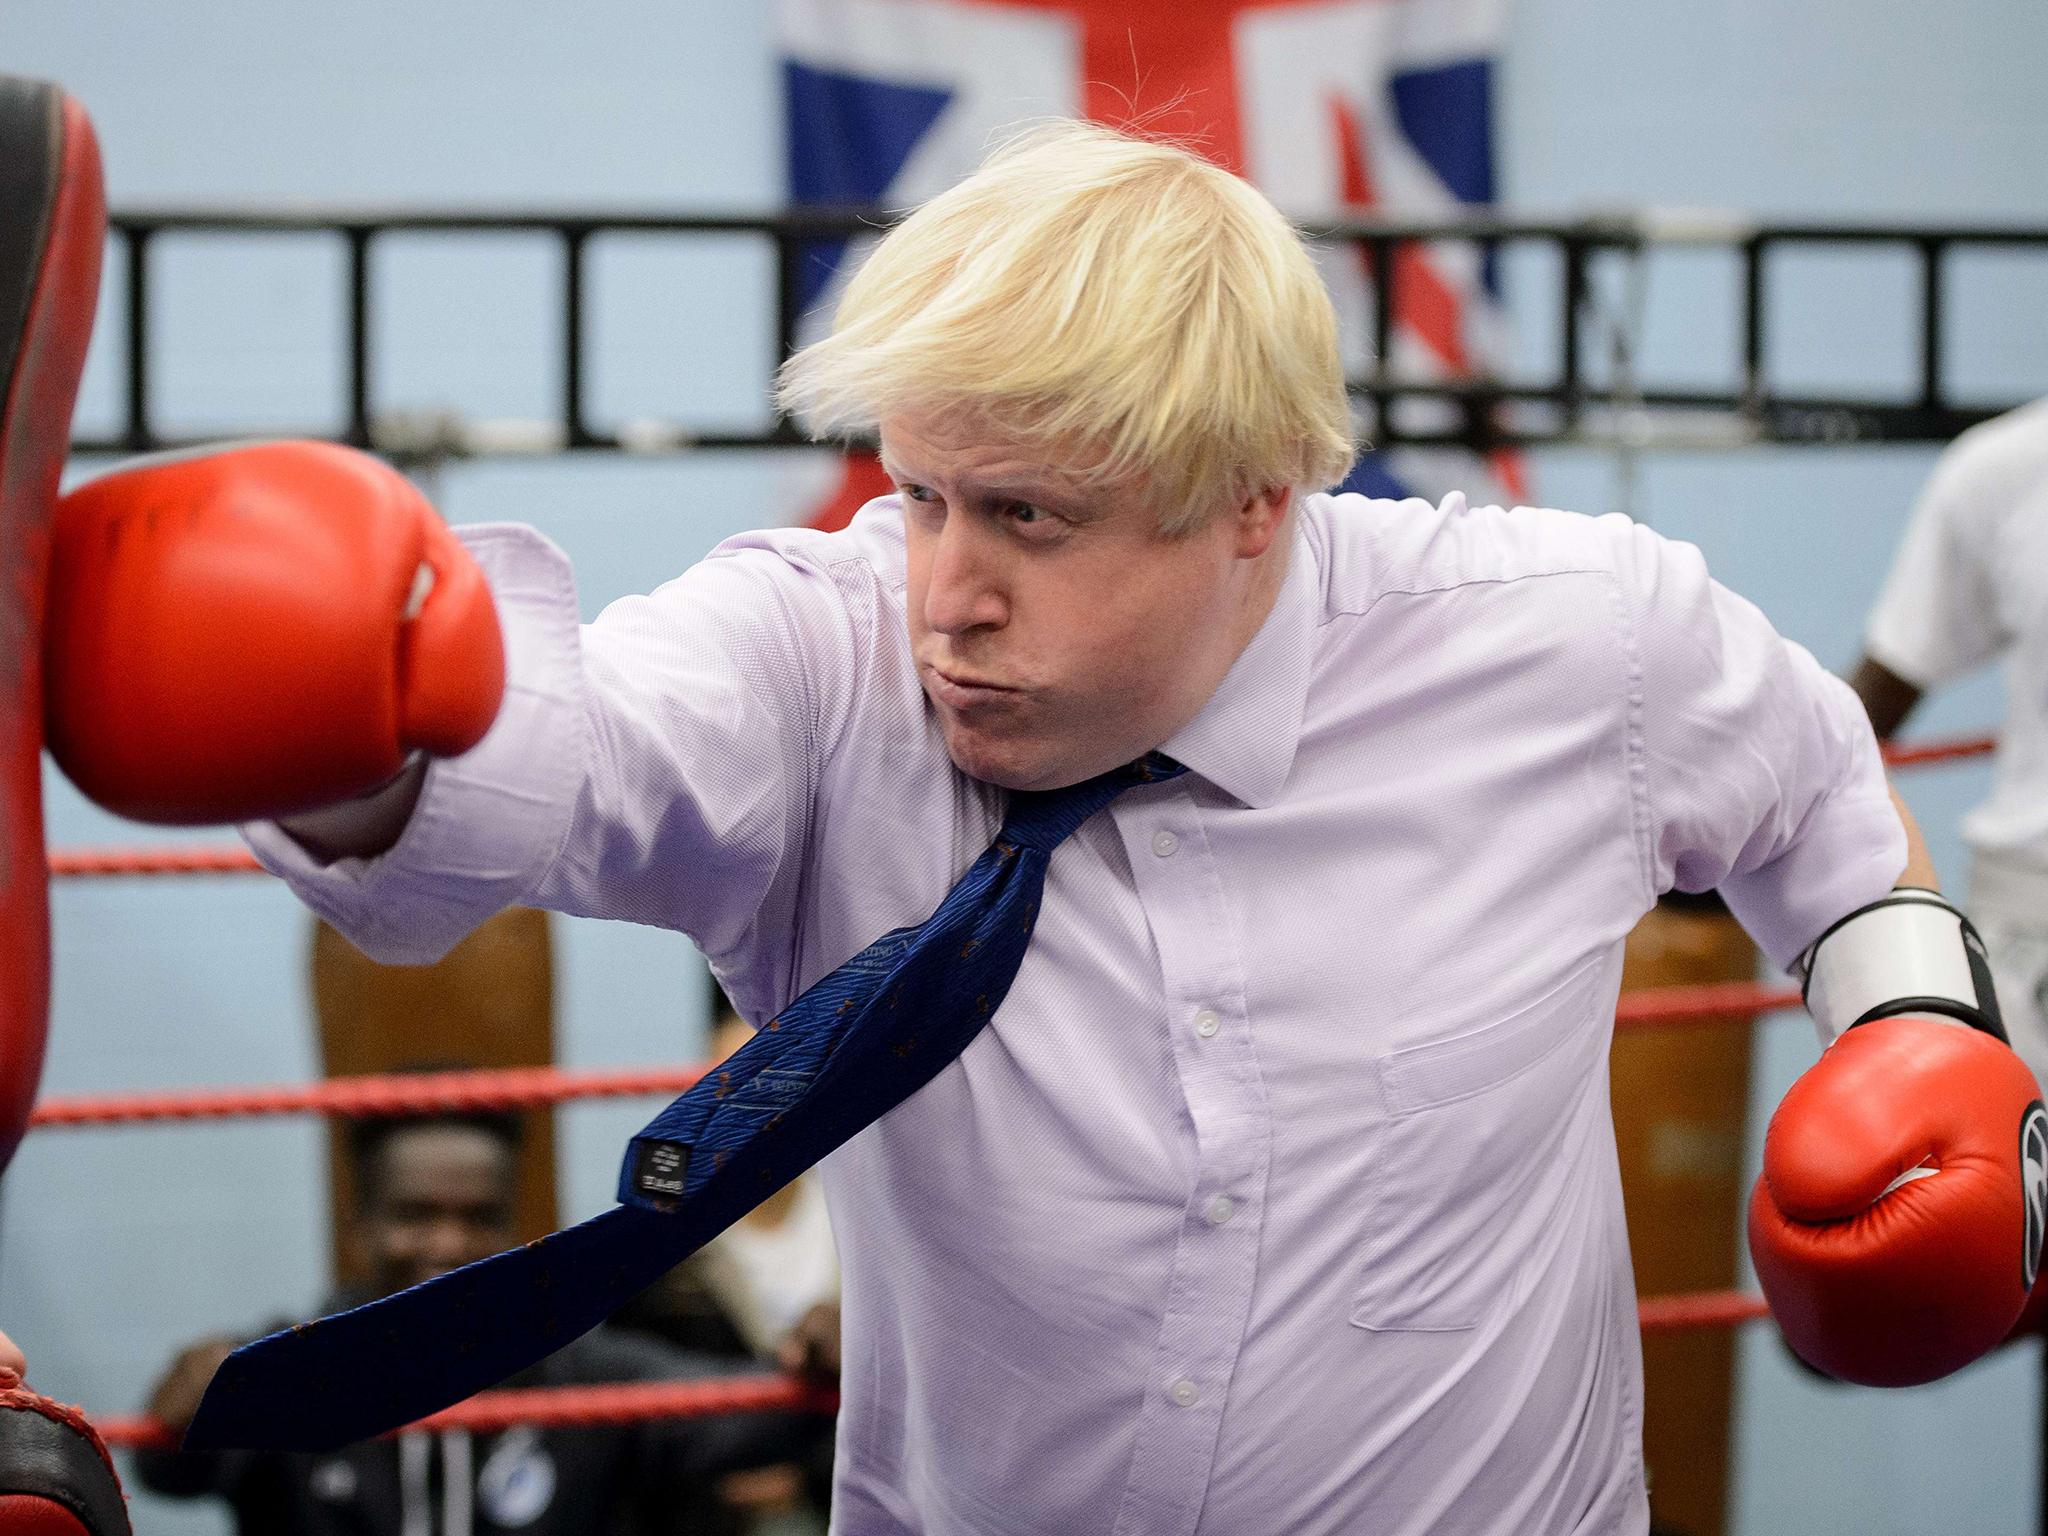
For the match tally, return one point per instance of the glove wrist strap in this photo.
(1910, 952)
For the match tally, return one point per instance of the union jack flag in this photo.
(1330, 106)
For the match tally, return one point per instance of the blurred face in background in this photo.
(435, 1197)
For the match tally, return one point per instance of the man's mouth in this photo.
(966, 691)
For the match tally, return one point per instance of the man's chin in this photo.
(1010, 763)
(974, 760)
(1006, 763)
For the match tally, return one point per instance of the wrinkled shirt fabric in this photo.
(1281, 1194)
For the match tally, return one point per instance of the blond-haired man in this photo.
(1280, 1193)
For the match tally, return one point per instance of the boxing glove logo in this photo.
(2034, 1186)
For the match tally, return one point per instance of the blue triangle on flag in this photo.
(848, 136)
(1447, 114)
(1370, 476)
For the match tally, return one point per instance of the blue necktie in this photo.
(855, 1045)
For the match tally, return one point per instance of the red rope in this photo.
(631, 1402)
(1716, 1002)
(626, 1402)
(1919, 754)
(405, 1094)
(1700, 1309)
(103, 862)
(507, 1088)
(71, 862)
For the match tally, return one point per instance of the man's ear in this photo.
(1260, 517)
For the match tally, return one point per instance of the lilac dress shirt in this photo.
(1281, 1195)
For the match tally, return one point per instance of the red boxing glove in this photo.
(1898, 1223)
(255, 631)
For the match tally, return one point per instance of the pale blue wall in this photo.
(114, 1247)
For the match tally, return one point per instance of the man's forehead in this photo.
(429, 1152)
(970, 447)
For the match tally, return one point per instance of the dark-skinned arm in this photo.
(1887, 697)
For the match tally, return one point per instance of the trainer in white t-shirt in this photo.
(1969, 584)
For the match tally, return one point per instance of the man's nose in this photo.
(448, 1240)
(965, 589)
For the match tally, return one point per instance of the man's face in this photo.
(440, 1196)
(1057, 632)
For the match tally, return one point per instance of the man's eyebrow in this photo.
(1030, 486)
(1026, 485)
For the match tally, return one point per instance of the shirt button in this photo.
(1163, 844)
(1207, 1023)
(1183, 1392)
(1221, 1209)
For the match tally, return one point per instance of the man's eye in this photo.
(919, 493)
(1024, 512)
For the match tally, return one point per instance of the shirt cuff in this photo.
(488, 824)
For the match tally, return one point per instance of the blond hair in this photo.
(1134, 309)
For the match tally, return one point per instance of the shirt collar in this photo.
(1243, 740)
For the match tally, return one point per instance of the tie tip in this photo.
(232, 1419)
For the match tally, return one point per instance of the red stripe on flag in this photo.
(861, 480)
(1425, 304)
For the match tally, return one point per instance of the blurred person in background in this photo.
(438, 1192)
(1969, 585)
(778, 1262)
(776, 1274)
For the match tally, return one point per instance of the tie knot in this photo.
(1043, 818)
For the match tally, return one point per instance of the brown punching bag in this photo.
(490, 1002)
(1681, 1097)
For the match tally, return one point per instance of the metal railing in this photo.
(1569, 403)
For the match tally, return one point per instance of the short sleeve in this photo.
(1937, 615)
(1761, 776)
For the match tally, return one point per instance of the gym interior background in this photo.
(115, 1246)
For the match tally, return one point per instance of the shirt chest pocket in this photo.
(1481, 1153)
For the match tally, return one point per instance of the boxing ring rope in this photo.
(72, 863)
(519, 1088)
(625, 1402)
(525, 1088)
(422, 1093)
(76, 863)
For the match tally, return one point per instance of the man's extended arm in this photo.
(656, 766)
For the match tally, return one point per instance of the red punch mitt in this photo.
(55, 1475)
(53, 228)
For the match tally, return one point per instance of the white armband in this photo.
(1909, 953)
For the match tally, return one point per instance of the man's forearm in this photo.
(1887, 697)
(1919, 869)
(363, 827)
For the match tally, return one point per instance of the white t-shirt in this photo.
(769, 1277)
(1970, 582)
